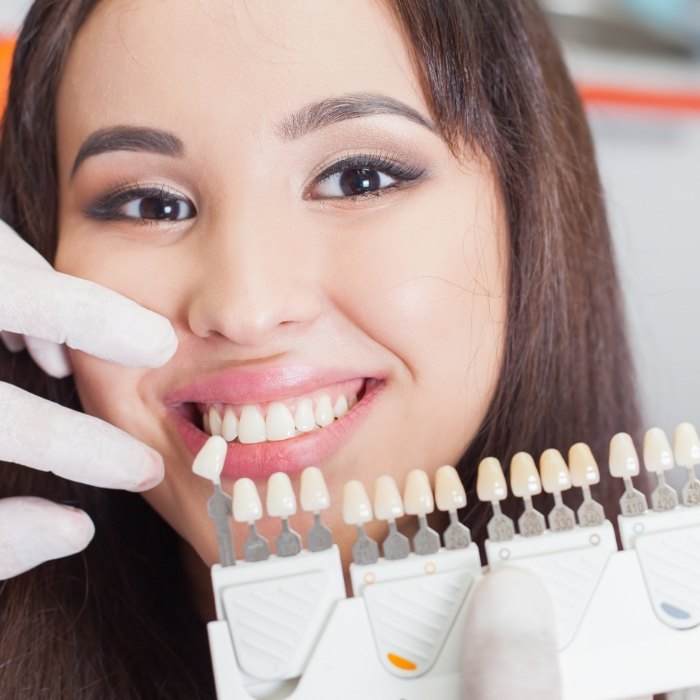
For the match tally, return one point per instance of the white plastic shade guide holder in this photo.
(624, 464)
(276, 610)
(412, 605)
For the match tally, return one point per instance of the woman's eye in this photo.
(354, 182)
(141, 204)
(158, 208)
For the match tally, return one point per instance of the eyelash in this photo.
(106, 206)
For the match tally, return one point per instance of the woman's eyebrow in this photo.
(128, 138)
(336, 109)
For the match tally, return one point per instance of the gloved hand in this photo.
(509, 648)
(42, 309)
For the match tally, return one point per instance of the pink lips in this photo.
(260, 460)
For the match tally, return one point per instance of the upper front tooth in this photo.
(304, 416)
(340, 407)
(251, 426)
(229, 426)
(279, 424)
(324, 411)
(214, 421)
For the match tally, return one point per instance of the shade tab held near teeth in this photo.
(686, 445)
(388, 504)
(449, 490)
(247, 506)
(280, 501)
(313, 491)
(490, 481)
(583, 468)
(417, 494)
(209, 461)
(524, 478)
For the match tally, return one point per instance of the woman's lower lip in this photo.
(260, 460)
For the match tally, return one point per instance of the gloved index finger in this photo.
(83, 315)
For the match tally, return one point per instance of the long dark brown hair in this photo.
(117, 621)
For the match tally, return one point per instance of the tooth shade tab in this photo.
(280, 502)
(490, 481)
(449, 490)
(686, 445)
(247, 507)
(313, 491)
(583, 469)
(658, 456)
(209, 461)
(357, 509)
(554, 472)
(624, 462)
(524, 478)
(417, 494)
(388, 504)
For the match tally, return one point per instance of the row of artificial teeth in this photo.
(279, 423)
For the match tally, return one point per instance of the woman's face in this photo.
(266, 175)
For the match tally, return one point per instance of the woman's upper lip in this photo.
(239, 386)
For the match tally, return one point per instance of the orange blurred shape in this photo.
(7, 45)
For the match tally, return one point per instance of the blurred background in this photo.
(637, 66)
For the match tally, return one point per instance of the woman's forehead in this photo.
(226, 63)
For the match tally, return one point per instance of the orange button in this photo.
(400, 662)
(7, 46)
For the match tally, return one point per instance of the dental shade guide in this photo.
(627, 622)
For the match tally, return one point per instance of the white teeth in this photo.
(387, 499)
(281, 501)
(210, 459)
(229, 426)
(304, 420)
(624, 462)
(247, 507)
(449, 491)
(554, 472)
(251, 426)
(417, 494)
(214, 421)
(524, 478)
(313, 491)
(279, 424)
(582, 465)
(657, 452)
(357, 510)
(490, 481)
(340, 407)
(686, 445)
(324, 411)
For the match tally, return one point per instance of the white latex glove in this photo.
(509, 649)
(42, 309)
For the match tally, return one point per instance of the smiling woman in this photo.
(374, 227)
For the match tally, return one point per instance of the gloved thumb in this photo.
(509, 647)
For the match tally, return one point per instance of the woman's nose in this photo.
(253, 287)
